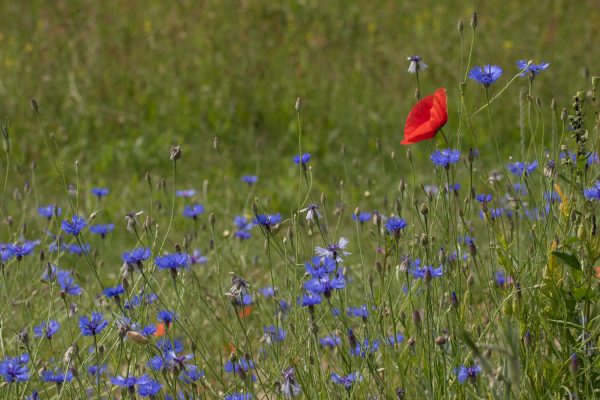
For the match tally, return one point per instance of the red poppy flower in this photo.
(426, 118)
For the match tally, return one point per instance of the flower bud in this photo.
(299, 104)
(474, 21)
(460, 26)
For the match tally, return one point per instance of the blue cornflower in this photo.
(57, 376)
(14, 369)
(484, 198)
(114, 291)
(394, 225)
(238, 396)
(301, 159)
(500, 278)
(495, 213)
(148, 330)
(445, 157)
(243, 227)
(330, 341)
(49, 211)
(463, 373)
(172, 261)
(149, 388)
(551, 196)
(67, 283)
(136, 256)
(486, 75)
(391, 340)
(531, 69)
(92, 326)
(309, 300)
(334, 251)
(416, 64)
(166, 345)
(97, 370)
(185, 193)
(273, 334)
(197, 258)
(427, 272)
(166, 317)
(454, 187)
(193, 211)
(46, 329)
(592, 193)
(362, 217)
(319, 267)
(312, 212)
(522, 169)
(18, 250)
(361, 311)
(74, 226)
(250, 179)
(138, 299)
(191, 374)
(240, 367)
(325, 285)
(157, 363)
(102, 229)
(100, 192)
(130, 381)
(347, 380)
(268, 291)
(520, 189)
(365, 348)
(34, 396)
(75, 248)
(268, 220)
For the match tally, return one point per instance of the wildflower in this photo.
(484, 198)
(67, 283)
(393, 340)
(445, 157)
(239, 289)
(14, 369)
(334, 251)
(486, 75)
(97, 370)
(49, 211)
(57, 376)
(114, 291)
(427, 272)
(330, 341)
(102, 230)
(193, 211)
(250, 179)
(191, 374)
(312, 212)
(520, 189)
(454, 187)
(136, 256)
(288, 386)
(365, 348)
(500, 278)
(18, 250)
(301, 159)
(416, 64)
(532, 69)
(522, 169)
(268, 221)
(172, 261)
(46, 329)
(268, 291)
(167, 317)
(362, 217)
(238, 396)
(197, 258)
(185, 193)
(463, 373)
(100, 192)
(428, 116)
(325, 285)
(130, 381)
(320, 266)
(240, 367)
(243, 227)
(149, 388)
(394, 225)
(309, 300)
(592, 193)
(92, 326)
(272, 334)
(347, 380)
(75, 226)
(361, 311)
(137, 300)
(77, 249)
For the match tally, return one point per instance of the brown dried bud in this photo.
(175, 152)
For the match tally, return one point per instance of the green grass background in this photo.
(118, 81)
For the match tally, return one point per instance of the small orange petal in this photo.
(160, 330)
(245, 312)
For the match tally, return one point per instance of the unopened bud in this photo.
(474, 21)
(299, 104)
(34, 105)
(212, 219)
(460, 26)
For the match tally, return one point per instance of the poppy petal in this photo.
(426, 118)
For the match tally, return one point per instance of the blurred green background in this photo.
(118, 81)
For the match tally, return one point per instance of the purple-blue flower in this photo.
(136, 256)
(130, 381)
(75, 226)
(14, 369)
(330, 341)
(347, 380)
(172, 261)
(532, 69)
(522, 168)
(100, 192)
(486, 75)
(268, 220)
(301, 159)
(325, 285)
(57, 376)
(149, 388)
(166, 317)
(185, 193)
(334, 251)
(309, 300)
(592, 193)
(114, 291)
(193, 211)
(102, 229)
(250, 179)
(445, 157)
(67, 283)
(46, 329)
(427, 272)
(49, 211)
(463, 373)
(362, 217)
(394, 225)
(18, 250)
(92, 326)
(484, 198)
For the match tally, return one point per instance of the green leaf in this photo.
(584, 293)
(568, 259)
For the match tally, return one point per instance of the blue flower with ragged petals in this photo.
(301, 159)
(92, 326)
(427, 272)
(319, 267)
(250, 179)
(463, 373)
(166, 317)
(114, 291)
(172, 261)
(67, 283)
(522, 168)
(445, 157)
(268, 220)
(49, 211)
(532, 69)
(325, 285)
(347, 381)
(592, 193)
(330, 341)
(75, 226)
(102, 229)
(136, 256)
(18, 250)
(484, 198)
(15, 369)
(100, 192)
(394, 225)
(310, 300)
(46, 329)
(130, 381)
(191, 374)
(149, 388)
(193, 211)
(486, 75)
(362, 217)
(57, 376)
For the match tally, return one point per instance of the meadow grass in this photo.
(161, 240)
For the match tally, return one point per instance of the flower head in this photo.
(18, 250)
(395, 225)
(46, 329)
(426, 118)
(172, 261)
(57, 376)
(92, 326)
(185, 193)
(166, 317)
(75, 226)
(14, 369)
(193, 211)
(347, 380)
(486, 75)
(149, 388)
(114, 291)
(136, 256)
(67, 283)
(250, 179)
(416, 64)
(522, 168)
(334, 251)
(531, 69)
(49, 211)
(268, 220)
(592, 193)
(301, 159)
(100, 192)
(445, 157)
(102, 229)
(463, 373)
